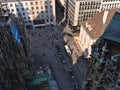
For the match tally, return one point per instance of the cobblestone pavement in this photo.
(43, 44)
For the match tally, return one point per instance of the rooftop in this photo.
(97, 24)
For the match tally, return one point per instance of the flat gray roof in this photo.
(112, 31)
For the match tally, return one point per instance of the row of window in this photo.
(91, 12)
(28, 21)
(86, 15)
(104, 5)
(33, 8)
(90, 3)
(47, 20)
(18, 10)
(38, 16)
(90, 7)
(110, 6)
(110, 0)
(31, 3)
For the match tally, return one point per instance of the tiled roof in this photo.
(95, 26)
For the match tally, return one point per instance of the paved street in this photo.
(43, 44)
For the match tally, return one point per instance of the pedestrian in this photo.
(55, 55)
(39, 34)
(32, 34)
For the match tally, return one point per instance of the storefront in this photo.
(39, 23)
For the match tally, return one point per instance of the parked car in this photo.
(61, 56)
(63, 61)
(46, 66)
(47, 69)
(71, 73)
(60, 53)
(76, 86)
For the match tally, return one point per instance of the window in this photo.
(19, 13)
(22, 9)
(80, 3)
(45, 2)
(51, 16)
(40, 2)
(42, 16)
(41, 7)
(51, 7)
(51, 20)
(28, 13)
(12, 10)
(36, 3)
(16, 4)
(11, 5)
(31, 3)
(47, 20)
(27, 8)
(28, 17)
(36, 7)
(42, 12)
(37, 12)
(51, 11)
(26, 4)
(30, 22)
(33, 12)
(24, 17)
(46, 11)
(17, 9)
(46, 16)
(46, 7)
(21, 4)
(23, 13)
(25, 21)
(32, 8)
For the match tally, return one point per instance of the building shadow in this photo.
(80, 70)
(59, 12)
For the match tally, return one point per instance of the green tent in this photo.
(40, 83)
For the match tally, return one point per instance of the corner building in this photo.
(36, 13)
(77, 11)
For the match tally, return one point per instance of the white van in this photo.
(68, 49)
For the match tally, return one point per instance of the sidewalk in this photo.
(76, 51)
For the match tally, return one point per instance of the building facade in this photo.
(77, 11)
(36, 13)
(109, 4)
